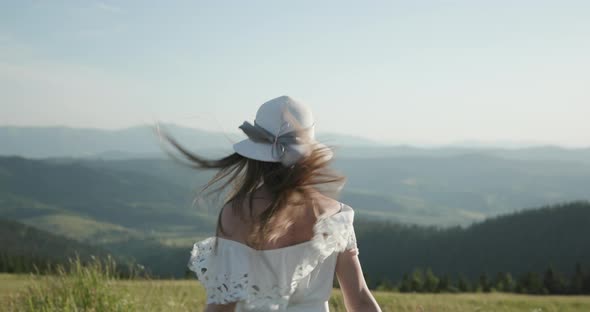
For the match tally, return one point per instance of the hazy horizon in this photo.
(428, 73)
(472, 143)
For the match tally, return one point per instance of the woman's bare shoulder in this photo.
(237, 222)
(326, 205)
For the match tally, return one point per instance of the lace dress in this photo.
(296, 278)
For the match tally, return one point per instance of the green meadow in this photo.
(188, 295)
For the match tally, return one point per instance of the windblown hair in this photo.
(290, 187)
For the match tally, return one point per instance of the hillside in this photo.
(154, 195)
(142, 209)
(530, 240)
(429, 186)
(134, 215)
(448, 190)
(35, 188)
(464, 186)
(24, 246)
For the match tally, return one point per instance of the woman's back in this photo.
(296, 277)
(296, 223)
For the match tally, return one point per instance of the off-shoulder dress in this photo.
(295, 278)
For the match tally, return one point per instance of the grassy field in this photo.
(184, 295)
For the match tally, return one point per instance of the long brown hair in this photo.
(289, 186)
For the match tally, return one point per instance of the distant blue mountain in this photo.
(133, 142)
(143, 142)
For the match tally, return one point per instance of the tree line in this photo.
(522, 242)
(548, 282)
(10, 263)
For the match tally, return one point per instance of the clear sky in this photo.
(418, 72)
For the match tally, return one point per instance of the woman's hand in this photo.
(357, 296)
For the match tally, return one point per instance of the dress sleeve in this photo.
(351, 245)
(336, 233)
(222, 270)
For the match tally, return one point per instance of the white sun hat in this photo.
(283, 131)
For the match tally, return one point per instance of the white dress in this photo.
(296, 278)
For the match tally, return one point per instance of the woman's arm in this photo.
(230, 307)
(357, 296)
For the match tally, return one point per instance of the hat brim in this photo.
(263, 151)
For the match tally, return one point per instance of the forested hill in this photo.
(142, 210)
(24, 246)
(526, 241)
(41, 188)
(144, 194)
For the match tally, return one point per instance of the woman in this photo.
(279, 237)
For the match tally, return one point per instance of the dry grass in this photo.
(185, 295)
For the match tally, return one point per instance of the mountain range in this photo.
(119, 191)
(143, 142)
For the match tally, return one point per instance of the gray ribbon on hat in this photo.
(280, 143)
